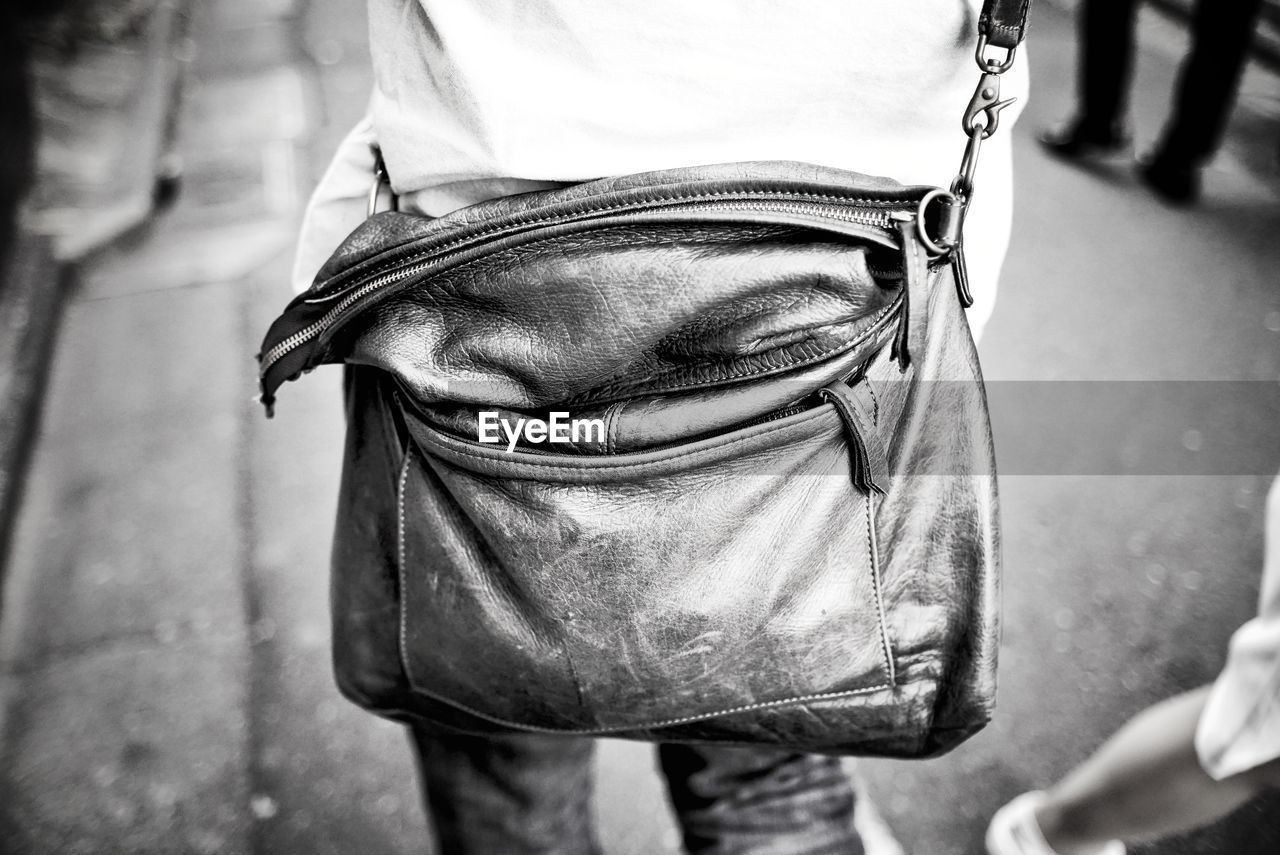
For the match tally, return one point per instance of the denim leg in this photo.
(759, 801)
(514, 795)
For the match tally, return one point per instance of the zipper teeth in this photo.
(302, 336)
(776, 415)
(828, 210)
(310, 331)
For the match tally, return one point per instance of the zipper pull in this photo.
(869, 458)
(268, 402)
(909, 338)
(899, 351)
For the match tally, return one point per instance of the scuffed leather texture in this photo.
(388, 243)
(715, 569)
(1004, 22)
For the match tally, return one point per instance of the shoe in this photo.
(1073, 142)
(1176, 183)
(1015, 831)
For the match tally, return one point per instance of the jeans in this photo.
(519, 795)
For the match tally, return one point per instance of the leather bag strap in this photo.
(1004, 22)
(1002, 25)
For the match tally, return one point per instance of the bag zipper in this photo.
(868, 458)
(784, 413)
(809, 403)
(874, 215)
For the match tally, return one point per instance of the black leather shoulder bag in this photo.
(692, 455)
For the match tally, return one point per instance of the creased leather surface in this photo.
(938, 527)
(1004, 22)
(364, 591)
(388, 241)
(700, 577)
(524, 330)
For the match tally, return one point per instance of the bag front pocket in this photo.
(598, 594)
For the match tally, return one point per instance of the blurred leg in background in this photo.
(1106, 67)
(1105, 58)
(1145, 781)
(1177, 765)
(17, 123)
(1222, 31)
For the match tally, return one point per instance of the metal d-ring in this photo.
(945, 244)
(991, 65)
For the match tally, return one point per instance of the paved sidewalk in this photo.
(100, 168)
(163, 644)
(164, 664)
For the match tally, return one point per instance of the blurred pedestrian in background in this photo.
(17, 118)
(1221, 34)
(1177, 765)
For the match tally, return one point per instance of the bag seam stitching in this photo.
(874, 553)
(654, 725)
(400, 557)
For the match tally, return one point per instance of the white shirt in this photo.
(480, 98)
